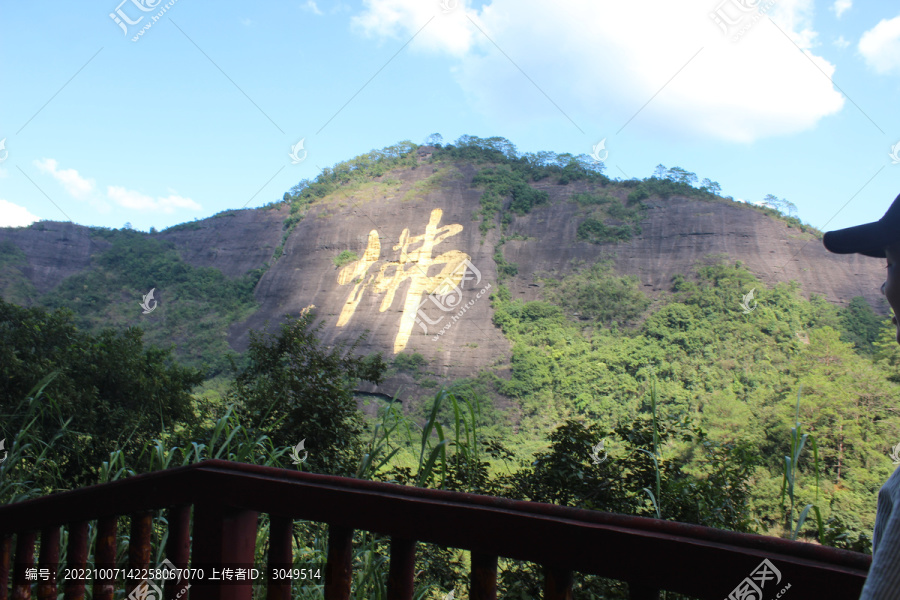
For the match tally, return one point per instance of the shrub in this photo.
(345, 257)
(596, 232)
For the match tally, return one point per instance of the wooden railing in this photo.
(227, 498)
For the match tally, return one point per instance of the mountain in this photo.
(366, 243)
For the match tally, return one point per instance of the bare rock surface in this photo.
(235, 241)
(54, 250)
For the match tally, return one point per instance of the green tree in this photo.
(783, 206)
(712, 187)
(860, 325)
(297, 388)
(117, 393)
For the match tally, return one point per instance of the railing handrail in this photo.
(612, 545)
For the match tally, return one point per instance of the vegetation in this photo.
(114, 392)
(192, 304)
(345, 174)
(14, 285)
(344, 258)
(598, 294)
(777, 421)
(732, 373)
(295, 388)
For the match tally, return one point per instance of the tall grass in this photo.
(656, 499)
(798, 441)
(24, 475)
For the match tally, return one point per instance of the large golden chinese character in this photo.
(412, 265)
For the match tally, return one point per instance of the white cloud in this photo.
(312, 7)
(601, 62)
(400, 19)
(74, 184)
(841, 6)
(880, 46)
(841, 42)
(138, 201)
(13, 215)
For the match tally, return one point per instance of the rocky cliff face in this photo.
(410, 238)
(54, 251)
(415, 236)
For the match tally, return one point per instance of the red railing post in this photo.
(49, 560)
(339, 568)
(281, 556)
(5, 548)
(139, 549)
(484, 577)
(105, 557)
(178, 548)
(557, 583)
(402, 570)
(224, 537)
(24, 561)
(76, 558)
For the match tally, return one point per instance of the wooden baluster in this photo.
(642, 591)
(403, 569)
(224, 537)
(139, 551)
(105, 557)
(49, 560)
(5, 551)
(76, 558)
(484, 577)
(557, 584)
(178, 549)
(281, 556)
(24, 561)
(339, 569)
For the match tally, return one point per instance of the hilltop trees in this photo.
(781, 205)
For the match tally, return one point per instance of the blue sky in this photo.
(793, 98)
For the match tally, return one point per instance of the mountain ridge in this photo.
(508, 240)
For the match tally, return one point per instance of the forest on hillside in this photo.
(695, 400)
